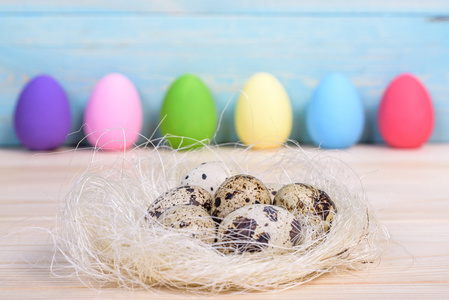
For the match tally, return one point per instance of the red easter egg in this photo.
(405, 117)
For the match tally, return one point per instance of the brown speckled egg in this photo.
(258, 227)
(307, 203)
(194, 220)
(238, 191)
(189, 194)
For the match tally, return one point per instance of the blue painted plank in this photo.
(224, 50)
(317, 7)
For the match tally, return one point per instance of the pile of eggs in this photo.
(113, 118)
(238, 213)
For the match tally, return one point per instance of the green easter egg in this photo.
(188, 111)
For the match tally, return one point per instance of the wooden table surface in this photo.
(409, 189)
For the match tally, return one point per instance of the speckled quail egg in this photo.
(237, 191)
(258, 227)
(307, 203)
(188, 194)
(208, 175)
(273, 188)
(193, 220)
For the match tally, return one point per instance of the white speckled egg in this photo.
(258, 227)
(189, 194)
(194, 220)
(273, 188)
(309, 204)
(237, 191)
(208, 175)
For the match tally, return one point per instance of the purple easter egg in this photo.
(42, 118)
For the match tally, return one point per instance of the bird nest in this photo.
(104, 230)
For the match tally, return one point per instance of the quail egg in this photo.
(194, 220)
(208, 175)
(237, 191)
(258, 227)
(307, 203)
(188, 194)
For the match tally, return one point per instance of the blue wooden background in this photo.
(224, 43)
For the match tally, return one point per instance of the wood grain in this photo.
(407, 188)
(224, 44)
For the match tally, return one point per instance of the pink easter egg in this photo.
(406, 114)
(113, 116)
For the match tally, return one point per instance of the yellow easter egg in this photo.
(263, 114)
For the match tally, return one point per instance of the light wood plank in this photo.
(408, 187)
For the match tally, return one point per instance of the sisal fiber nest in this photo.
(102, 230)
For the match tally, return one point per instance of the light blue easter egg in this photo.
(335, 116)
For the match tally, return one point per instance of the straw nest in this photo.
(103, 231)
